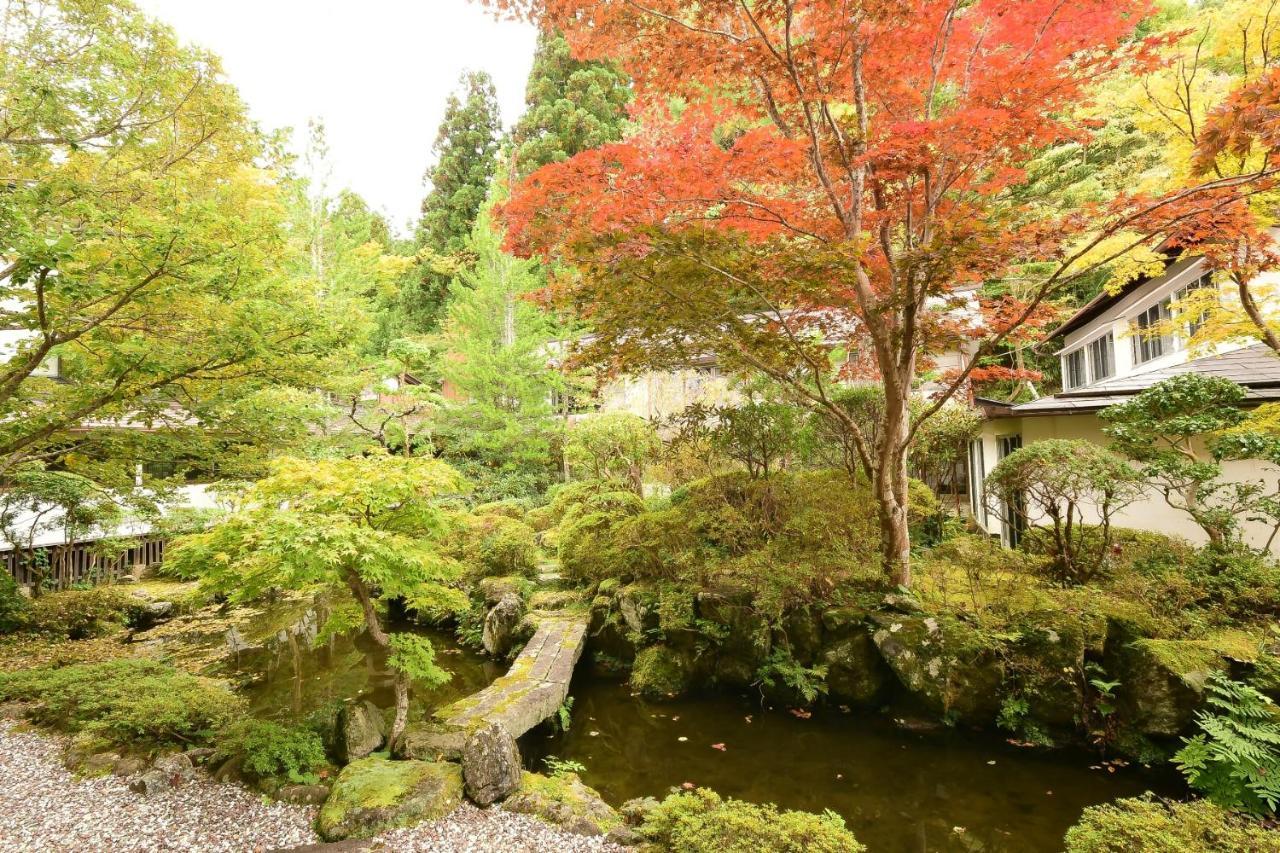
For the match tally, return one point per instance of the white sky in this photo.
(376, 71)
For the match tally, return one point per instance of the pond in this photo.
(900, 791)
(352, 667)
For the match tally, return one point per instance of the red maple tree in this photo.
(809, 173)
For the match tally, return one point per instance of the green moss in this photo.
(1147, 825)
(125, 701)
(1191, 660)
(563, 800)
(700, 821)
(374, 794)
(661, 672)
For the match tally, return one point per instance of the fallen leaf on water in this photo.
(719, 746)
(801, 713)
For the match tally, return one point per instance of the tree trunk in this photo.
(890, 485)
(402, 710)
(361, 591)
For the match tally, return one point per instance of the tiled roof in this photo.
(1255, 367)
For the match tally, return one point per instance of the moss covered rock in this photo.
(744, 636)
(1047, 664)
(661, 672)
(375, 794)
(856, 673)
(949, 665)
(1162, 681)
(563, 801)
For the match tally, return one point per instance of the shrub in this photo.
(125, 701)
(499, 545)
(81, 613)
(509, 508)
(1241, 584)
(268, 750)
(700, 821)
(790, 537)
(1236, 761)
(14, 607)
(1148, 825)
(1057, 480)
(615, 446)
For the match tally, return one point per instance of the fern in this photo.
(1236, 759)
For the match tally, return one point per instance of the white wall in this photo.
(1151, 513)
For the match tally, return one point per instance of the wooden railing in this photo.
(63, 566)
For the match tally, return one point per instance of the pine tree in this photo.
(571, 106)
(495, 363)
(466, 151)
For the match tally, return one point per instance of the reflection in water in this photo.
(298, 680)
(901, 792)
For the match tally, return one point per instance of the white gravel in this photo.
(44, 807)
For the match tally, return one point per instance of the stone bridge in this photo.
(532, 690)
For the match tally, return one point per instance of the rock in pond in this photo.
(1161, 682)
(500, 625)
(856, 673)
(361, 730)
(661, 672)
(563, 801)
(376, 794)
(490, 764)
(944, 663)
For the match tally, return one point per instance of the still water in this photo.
(900, 791)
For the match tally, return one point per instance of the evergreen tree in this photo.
(572, 106)
(466, 151)
(496, 366)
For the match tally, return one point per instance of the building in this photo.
(1110, 350)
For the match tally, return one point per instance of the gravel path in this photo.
(43, 807)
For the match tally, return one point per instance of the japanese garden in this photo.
(797, 425)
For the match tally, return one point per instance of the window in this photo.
(1148, 343)
(1102, 358)
(1073, 369)
(977, 474)
(1194, 323)
(1013, 518)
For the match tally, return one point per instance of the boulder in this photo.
(375, 794)
(661, 672)
(361, 730)
(431, 741)
(500, 625)
(1161, 682)
(607, 635)
(563, 801)
(747, 638)
(166, 773)
(1048, 663)
(496, 589)
(856, 673)
(148, 614)
(944, 663)
(303, 795)
(639, 608)
(490, 764)
(634, 812)
(801, 634)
